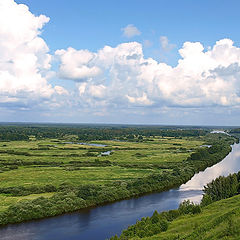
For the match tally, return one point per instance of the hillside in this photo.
(219, 220)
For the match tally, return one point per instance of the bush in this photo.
(187, 207)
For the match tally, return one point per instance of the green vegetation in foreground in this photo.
(215, 218)
(219, 220)
(46, 176)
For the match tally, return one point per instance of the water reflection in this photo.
(105, 221)
(229, 165)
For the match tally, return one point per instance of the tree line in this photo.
(221, 188)
(89, 133)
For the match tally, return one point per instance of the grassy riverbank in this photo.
(213, 220)
(219, 220)
(50, 176)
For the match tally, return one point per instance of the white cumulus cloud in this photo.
(125, 77)
(130, 31)
(77, 65)
(24, 57)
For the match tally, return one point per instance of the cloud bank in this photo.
(122, 75)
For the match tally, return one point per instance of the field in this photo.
(57, 162)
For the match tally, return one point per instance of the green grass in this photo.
(130, 160)
(219, 220)
(56, 175)
(8, 200)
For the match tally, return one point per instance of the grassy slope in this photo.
(219, 220)
(161, 150)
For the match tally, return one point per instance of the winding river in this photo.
(104, 221)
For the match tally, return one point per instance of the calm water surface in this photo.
(102, 222)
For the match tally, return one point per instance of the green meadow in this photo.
(55, 162)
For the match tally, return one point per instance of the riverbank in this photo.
(214, 218)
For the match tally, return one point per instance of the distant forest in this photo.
(93, 132)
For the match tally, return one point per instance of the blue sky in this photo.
(86, 82)
(94, 24)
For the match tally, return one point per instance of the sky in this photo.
(173, 62)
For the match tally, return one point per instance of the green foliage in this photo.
(89, 133)
(145, 228)
(187, 207)
(206, 200)
(221, 187)
(158, 222)
(42, 207)
(26, 190)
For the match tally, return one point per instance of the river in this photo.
(104, 221)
